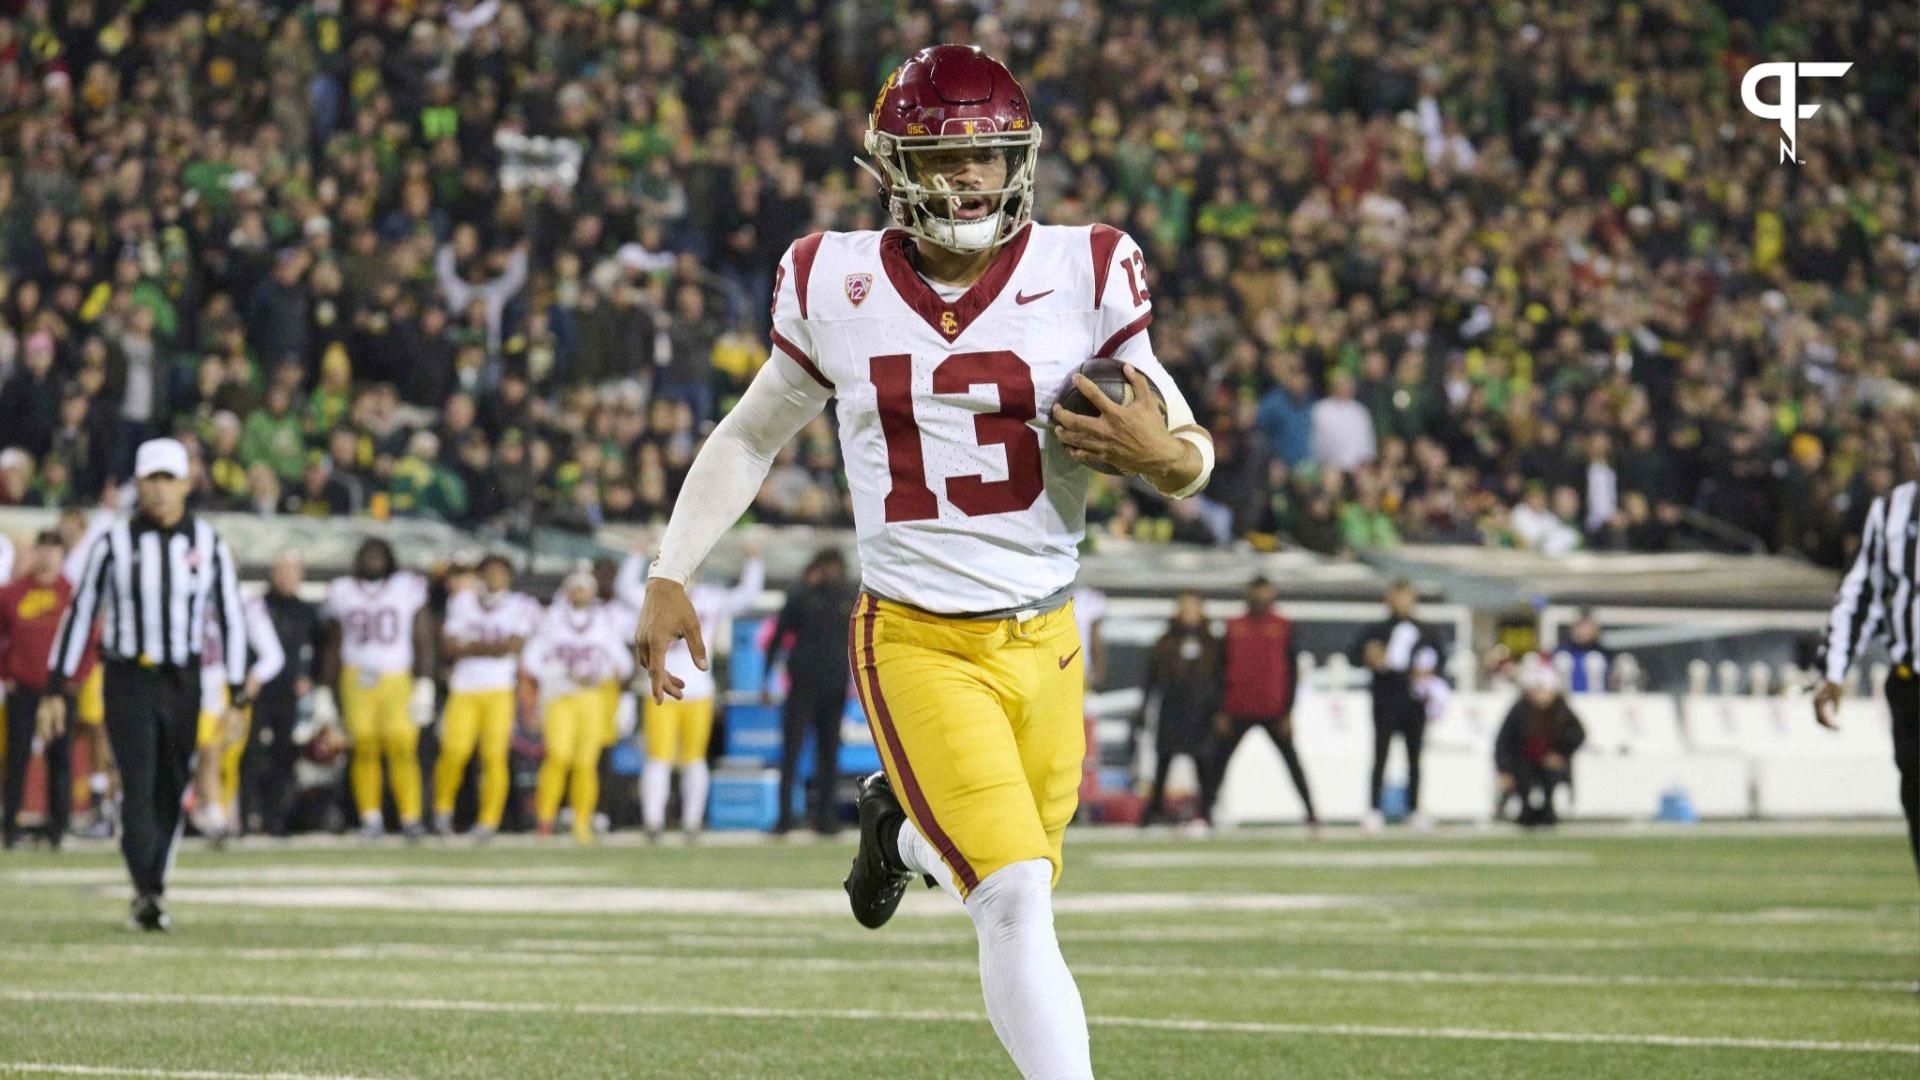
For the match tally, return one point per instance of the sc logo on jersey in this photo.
(1788, 112)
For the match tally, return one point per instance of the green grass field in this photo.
(1733, 952)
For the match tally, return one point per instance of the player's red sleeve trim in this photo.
(804, 251)
(799, 356)
(1105, 239)
(1121, 335)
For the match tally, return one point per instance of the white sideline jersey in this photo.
(577, 649)
(269, 659)
(492, 621)
(963, 500)
(376, 621)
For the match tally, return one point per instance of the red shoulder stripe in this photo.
(1105, 239)
(799, 356)
(1121, 335)
(804, 250)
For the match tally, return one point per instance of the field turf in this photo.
(1594, 953)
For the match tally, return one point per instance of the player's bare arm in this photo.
(1133, 438)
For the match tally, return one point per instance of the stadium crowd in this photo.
(1527, 276)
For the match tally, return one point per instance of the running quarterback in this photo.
(946, 341)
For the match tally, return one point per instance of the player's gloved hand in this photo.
(420, 705)
(667, 616)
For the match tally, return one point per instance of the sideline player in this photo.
(577, 649)
(222, 739)
(946, 340)
(677, 731)
(378, 653)
(486, 629)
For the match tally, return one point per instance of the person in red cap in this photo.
(31, 607)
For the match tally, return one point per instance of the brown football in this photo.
(1111, 377)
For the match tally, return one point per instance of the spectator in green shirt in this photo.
(273, 436)
(421, 487)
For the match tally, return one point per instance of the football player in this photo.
(486, 629)
(378, 657)
(579, 647)
(946, 341)
(222, 737)
(677, 731)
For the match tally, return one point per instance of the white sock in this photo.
(1031, 997)
(371, 821)
(656, 783)
(921, 858)
(693, 795)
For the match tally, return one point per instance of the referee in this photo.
(157, 579)
(1878, 598)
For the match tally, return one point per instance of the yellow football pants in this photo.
(90, 704)
(572, 734)
(377, 722)
(211, 737)
(678, 731)
(609, 692)
(480, 719)
(980, 726)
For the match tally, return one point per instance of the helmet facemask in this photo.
(924, 210)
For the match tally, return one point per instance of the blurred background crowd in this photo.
(1523, 275)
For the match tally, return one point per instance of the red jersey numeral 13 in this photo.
(1136, 268)
(911, 499)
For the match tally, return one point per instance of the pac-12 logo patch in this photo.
(858, 286)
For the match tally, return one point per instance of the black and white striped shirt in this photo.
(155, 589)
(1878, 597)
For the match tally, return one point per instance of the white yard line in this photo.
(324, 874)
(47, 1068)
(1297, 859)
(615, 953)
(745, 903)
(746, 1012)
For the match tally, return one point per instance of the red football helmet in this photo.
(944, 98)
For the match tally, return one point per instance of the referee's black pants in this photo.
(22, 709)
(1903, 700)
(153, 715)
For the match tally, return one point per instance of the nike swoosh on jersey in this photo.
(1023, 298)
(1068, 659)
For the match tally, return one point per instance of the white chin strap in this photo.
(958, 235)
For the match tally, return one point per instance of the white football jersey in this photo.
(577, 649)
(963, 500)
(491, 621)
(376, 621)
(269, 659)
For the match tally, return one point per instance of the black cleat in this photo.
(149, 914)
(873, 886)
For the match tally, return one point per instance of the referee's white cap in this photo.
(157, 456)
